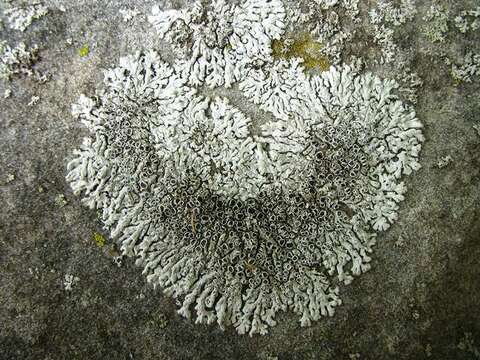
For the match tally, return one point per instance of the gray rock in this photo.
(420, 298)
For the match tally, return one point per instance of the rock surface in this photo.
(62, 295)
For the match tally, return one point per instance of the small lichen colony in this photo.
(303, 46)
(241, 217)
(21, 14)
(217, 43)
(17, 60)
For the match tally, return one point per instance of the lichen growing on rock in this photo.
(304, 47)
(84, 51)
(217, 42)
(240, 217)
(21, 16)
(17, 60)
(99, 239)
(468, 70)
(436, 27)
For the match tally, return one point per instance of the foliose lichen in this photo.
(17, 60)
(217, 42)
(70, 281)
(468, 20)
(388, 11)
(242, 217)
(436, 23)
(129, 14)
(304, 47)
(468, 70)
(21, 15)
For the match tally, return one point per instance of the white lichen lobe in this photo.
(70, 281)
(17, 60)
(129, 14)
(217, 42)
(33, 100)
(444, 161)
(236, 216)
(21, 16)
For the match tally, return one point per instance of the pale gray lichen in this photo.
(388, 11)
(9, 179)
(323, 21)
(352, 8)
(16, 61)
(410, 83)
(118, 260)
(366, 41)
(70, 281)
(384, 38)
(437, 23)
(33, 100)
(468, 20)
(129, 14)
(239, 217)
(217, 42)
(468, 69)
(329, 107)
(60, 200)
(444, 161)
(21, 16)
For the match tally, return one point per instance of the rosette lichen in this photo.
(241, 217)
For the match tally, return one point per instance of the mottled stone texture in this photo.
(421, 296)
